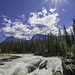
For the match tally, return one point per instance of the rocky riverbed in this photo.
(28, 64)
(68, 66)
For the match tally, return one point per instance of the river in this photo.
(19, 66)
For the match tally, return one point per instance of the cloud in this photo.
(38, 23)
(46, 23)
(64, 10)
(44, 11)
(16, 29)
(7, 22)
(22, 17)
(70, 30)
(52, 10)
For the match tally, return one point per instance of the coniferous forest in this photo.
(62, 45)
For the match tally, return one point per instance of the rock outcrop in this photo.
(33, 65)
(8, 58)
(43, 65)
(36, 64)
(58, 73)
(68, 67)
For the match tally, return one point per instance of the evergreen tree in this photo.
(67, 37)
(48, 43)
(74, 28)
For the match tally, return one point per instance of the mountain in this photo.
(37, 37)
(11, 38)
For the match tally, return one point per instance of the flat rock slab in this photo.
(7, 58)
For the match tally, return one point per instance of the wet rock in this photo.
(15, 57)
(33, 66)
(68, 61)
(68, 67)
(43, 65)
(5, 60)
(39, 53)
(37, 63)
(1, 63)
(58, 73)
(10, 58)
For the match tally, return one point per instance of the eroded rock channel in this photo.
(28, 64)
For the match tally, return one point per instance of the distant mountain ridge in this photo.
(35, 37)
(11, 38)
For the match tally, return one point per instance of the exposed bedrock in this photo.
(36, 64)
(8, 59)
(58, 73)
(68, 66)
(33, 65)
(43, 65)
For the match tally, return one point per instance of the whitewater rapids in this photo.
(19, 66)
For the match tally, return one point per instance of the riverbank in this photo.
(68, 66)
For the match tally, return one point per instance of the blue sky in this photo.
(25, 18)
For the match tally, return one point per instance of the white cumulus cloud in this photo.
(46, 23)
(39, 23)
(52, 10)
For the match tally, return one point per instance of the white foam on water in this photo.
(19, 66)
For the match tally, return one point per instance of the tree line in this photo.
(55, 45)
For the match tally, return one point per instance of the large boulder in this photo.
(31, 68)
(33, 65)
(43, 64)
(68, 67)
(58, 73)
(1, 63)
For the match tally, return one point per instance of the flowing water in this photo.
(19, 66)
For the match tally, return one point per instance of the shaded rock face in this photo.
(33, 66)
(39, 64)
(45, 53)
(1, 63)
(39, 53)
(58, 73)
(43, 65)
(68, 67)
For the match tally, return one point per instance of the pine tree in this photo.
(67, 37)
(74, 28)
(48, 43)
(59, 35)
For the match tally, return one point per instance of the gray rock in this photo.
(33, 65)
(68, 67)
(1, 63)
(43, 65)
(58, 73)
